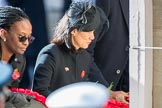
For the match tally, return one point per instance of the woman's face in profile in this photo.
(19, 30)
(82, 39)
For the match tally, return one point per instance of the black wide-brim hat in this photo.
(83, 15)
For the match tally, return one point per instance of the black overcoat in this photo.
(111, 49)
(57, 66)
(17, 61)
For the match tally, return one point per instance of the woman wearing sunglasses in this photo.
(65, 60)
(15, 36)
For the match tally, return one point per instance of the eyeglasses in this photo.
(24, 38)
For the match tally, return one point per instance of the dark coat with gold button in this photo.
(57, 66)
(111, 49)
(17, 61)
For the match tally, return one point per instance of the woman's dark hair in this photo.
(9, 15)
(61, 31)
(82, 16)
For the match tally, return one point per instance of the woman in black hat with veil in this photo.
(65, 60)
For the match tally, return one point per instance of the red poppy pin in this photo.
(15, 74)
(83, 73)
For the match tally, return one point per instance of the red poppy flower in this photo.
(112, 103)
(15, 74)
(83, 73)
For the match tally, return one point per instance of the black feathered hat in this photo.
(83, 16)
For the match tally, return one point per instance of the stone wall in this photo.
(157, 54)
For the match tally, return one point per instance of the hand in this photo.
(19, 100)
(2, 100)
(120, 96)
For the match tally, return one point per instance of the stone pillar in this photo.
(157, 54)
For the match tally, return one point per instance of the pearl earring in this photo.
(4, 39)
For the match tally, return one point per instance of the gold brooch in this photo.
(67, 69)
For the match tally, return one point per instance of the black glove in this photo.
(19, 100)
